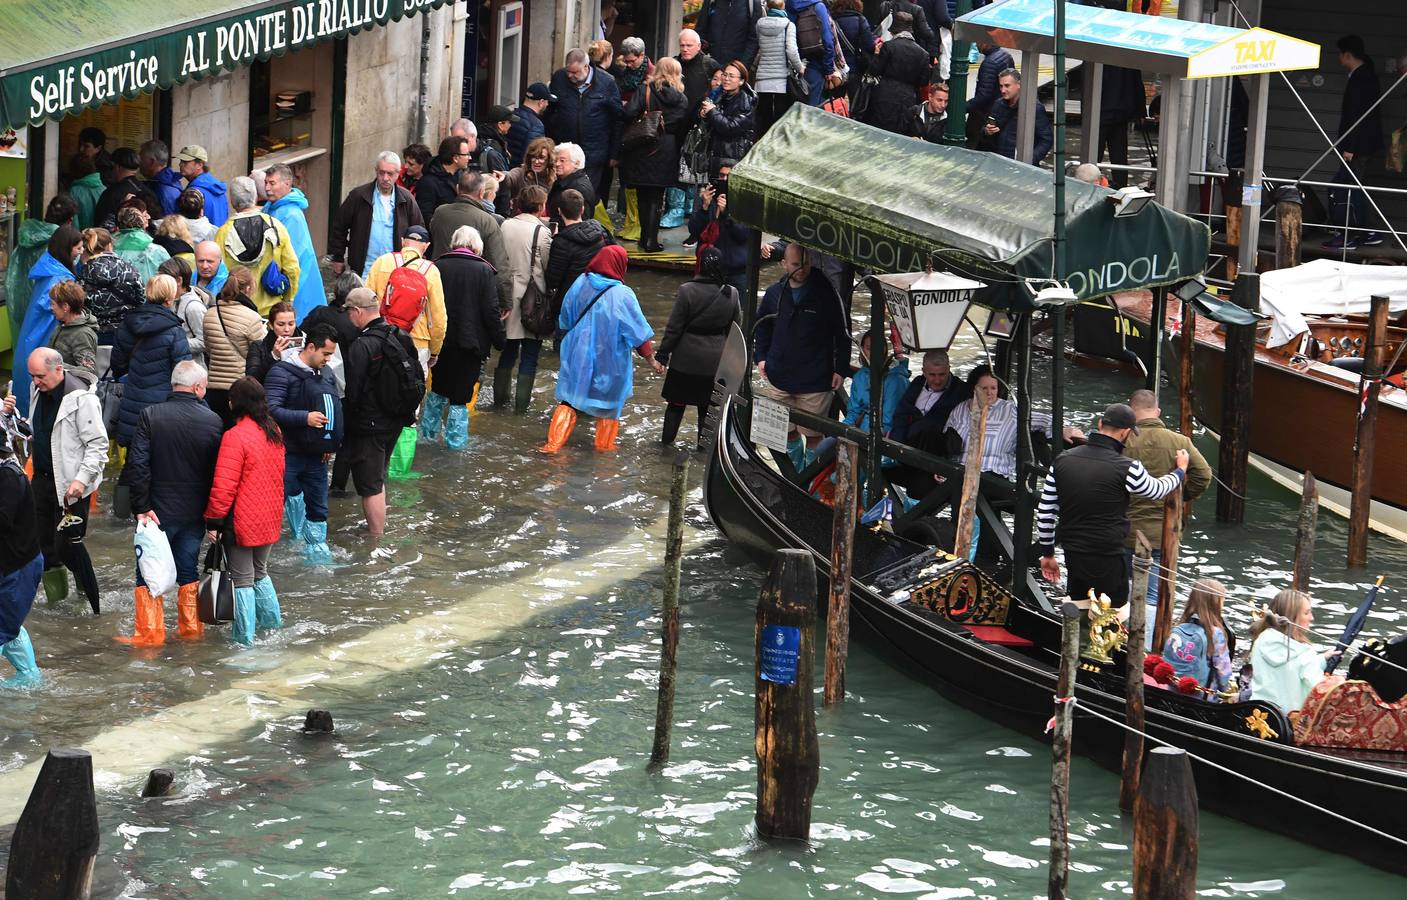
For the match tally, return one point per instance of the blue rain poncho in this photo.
(291, 211)
(39, 323)
(596, 369)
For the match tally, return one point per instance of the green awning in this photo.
(895, 204)
(59, 57)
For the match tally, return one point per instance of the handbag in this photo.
(215, 600)
(643, 133)
(109, 392)
(860, 96)
(799, 87)
(533, 310)
(694, 156)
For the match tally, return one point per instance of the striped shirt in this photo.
(999, 448)
(1138, 483)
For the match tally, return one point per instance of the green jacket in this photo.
(85, 192)
(77, 343)
(1156, 447)
(137, 247)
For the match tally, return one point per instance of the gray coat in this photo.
(776, 54)
(698, 327)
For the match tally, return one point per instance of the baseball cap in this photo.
(539, 91)
(1120, 415)
(193, 151)
(502, 114)
(417, 233)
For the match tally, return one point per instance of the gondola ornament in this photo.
(1259, 725)
(1105, 631)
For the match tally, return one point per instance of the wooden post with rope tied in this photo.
(1063, 723)
(971, 476)
(1365, 444)
(842, 552)
(1304, 532)
(1133, 673)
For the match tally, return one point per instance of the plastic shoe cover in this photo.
(559, 429)
(55, 583)
(149, 626)
(295, 509)
(20, 653)
(266, 611)
(315, 549)
(630, 229)
(242, 628)
(188, 624)
(796, 452)
(606, 430)
(430, 417)
(675, 212)
(457, 428)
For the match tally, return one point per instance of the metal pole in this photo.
(878, 345)
(1025, 460)
(1186, 113)
(1026, 106)
(1057, 349)
(1259, 90)
(955, 131)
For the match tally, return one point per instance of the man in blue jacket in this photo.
(1002, 134)
(288, 204)
(528, 127)
(803, 345)
(820, 61)
(729, 29)
(161, 179)
(194, 163)
(995, 61)
(588, 113)
(303, 400)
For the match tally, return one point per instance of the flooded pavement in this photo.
(493, 686)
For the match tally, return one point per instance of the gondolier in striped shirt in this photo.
(1085, 506)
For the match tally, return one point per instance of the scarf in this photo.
(610, 261)
(631, 79)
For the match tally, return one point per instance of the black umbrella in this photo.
(1355, 625)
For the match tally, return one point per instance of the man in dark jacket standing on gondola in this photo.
(170, 467)
(1085, 506)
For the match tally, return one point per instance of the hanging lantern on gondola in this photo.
(927, 307)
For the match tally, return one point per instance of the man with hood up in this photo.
(287, 204)
(194, 163)
(160, 178)
(257, 241)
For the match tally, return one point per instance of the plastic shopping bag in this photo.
(154, 559)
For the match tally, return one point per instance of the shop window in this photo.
(126, 123)
(509, 58)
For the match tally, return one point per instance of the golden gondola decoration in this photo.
(1259, 725)
(1106, 634)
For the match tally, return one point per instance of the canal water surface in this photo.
(493, 684)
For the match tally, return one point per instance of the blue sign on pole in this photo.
(781, 650)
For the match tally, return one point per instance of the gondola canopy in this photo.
(894, 204)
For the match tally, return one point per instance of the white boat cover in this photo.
(1326, 287)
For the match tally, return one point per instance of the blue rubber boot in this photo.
(796, 452)
(430, 417)
(242, 628)
(266, 611)
(457, 428)
(676, 211)
(20, 653)
(295, 509)
(315, 549)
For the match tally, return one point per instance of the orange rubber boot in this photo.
(559, 429)
(149, 629)
(188, 624)
(606, 430)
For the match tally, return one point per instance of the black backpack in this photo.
(399, 396)
(810, 38)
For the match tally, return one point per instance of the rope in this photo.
(1229, 771)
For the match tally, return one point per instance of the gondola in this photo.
(949, 624)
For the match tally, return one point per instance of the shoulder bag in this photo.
(644, 132)
(599, 295)
(534, 311)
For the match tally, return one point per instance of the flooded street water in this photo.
(493, 684)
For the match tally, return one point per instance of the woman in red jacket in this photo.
(250, 467)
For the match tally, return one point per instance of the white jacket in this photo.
(1284, 670)
(79, 441)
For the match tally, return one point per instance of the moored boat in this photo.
(947, 623)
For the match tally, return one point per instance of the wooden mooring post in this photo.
(788, 755)
(669, 644)
(1133, 673)
(1064, 719)
(55, 843)
(971, 478)
(1165, 828)
(1289, 226)
(1304, 532)
(1365, 444)
(1233, 457)
(842, 552)
(1167, 572)
(1187, 346)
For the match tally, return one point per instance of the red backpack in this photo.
(407, 291)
